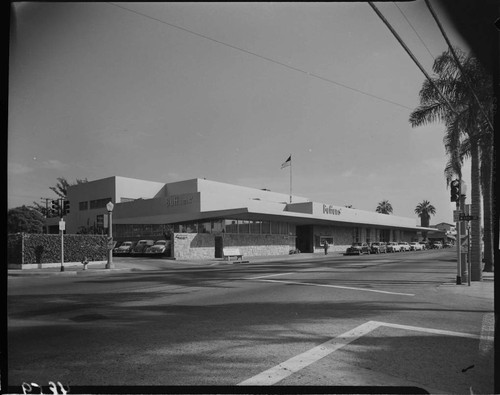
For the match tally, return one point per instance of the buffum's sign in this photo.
(179, 200)
(331, 210)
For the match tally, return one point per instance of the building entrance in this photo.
(305, 238)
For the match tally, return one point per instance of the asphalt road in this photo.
(378, 320)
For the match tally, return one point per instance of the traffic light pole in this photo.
(459, 252)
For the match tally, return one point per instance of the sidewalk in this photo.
(130, 266)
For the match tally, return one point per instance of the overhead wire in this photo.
(455, 57)
(418, 35)
(310, 74)
(408, 51)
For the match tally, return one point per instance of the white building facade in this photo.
(201, 217)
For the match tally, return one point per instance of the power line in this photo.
(396, 35)
(264, 57)
(409, 23)
(466, 78)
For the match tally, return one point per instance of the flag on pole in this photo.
(288, 162)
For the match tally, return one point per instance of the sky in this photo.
(227, 92)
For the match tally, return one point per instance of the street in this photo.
(374, 320)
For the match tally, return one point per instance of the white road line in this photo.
(487, 334)
(293, 365)
(429, 330)
(269, 275)
(301, 361)
(336, 286)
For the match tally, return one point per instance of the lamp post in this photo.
(110, 264)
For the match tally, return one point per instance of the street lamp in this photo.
(110, 264)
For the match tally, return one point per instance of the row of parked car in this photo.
(143, 248)
(402, 246)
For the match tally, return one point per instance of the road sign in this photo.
(62, 225)
(456, 215)
(463, 217)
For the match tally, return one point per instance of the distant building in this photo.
(201, 217)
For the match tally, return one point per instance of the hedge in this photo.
(26, 248)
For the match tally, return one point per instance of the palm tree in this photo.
(384, 207)
(465, 130)
(424, 210)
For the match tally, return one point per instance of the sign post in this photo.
(110, 264)
(62, 228)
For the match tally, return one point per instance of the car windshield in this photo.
(126, 244)
(161, 243)
(356, 244)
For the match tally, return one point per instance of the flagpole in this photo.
(290, 179)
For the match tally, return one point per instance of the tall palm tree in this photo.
(465, 127)
(424, 210)
(384, 207)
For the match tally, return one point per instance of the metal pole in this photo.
(290, 180)
(62, 234)
(110, 264)
(463, 258)
(62, 249)
(459, 242)
(468, 253)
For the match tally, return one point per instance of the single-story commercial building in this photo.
(201, 217)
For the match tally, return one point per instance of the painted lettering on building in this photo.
(330, 210)
(179, 200)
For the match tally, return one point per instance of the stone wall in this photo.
(27, 248)
(202, 246)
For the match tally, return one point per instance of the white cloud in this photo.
(53, 164)
(16, 168)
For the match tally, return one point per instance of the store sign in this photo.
(331, 210)
(179, 200)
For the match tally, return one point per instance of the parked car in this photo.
(358, 249)
(124, 248)
(448, 245)
(141, 246)
(424, 245)
(436, 245)
(160, 248)
(378, 247)
(393, 247)
(404, 246)
(415, 246)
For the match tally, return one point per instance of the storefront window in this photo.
(204, 227)
(231, 225)
(217, 226)
(266, 227)
(255, 227)
(244, 226)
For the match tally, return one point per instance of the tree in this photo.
(384, 207)
(424, 210)
(466, 131)
(61, 190)
(24, 219)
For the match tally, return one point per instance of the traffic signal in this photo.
(455, 191)
(66, 207)
(55, 208)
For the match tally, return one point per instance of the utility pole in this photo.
(47, 212)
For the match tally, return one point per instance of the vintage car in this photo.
(404, 246)
(124, 248)
(416, 246)
(436, 245)
(448, 245)
(424, 245)
(393, 247)
(378, 247)
(141, 246)
(160, 248)
(358, 249)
